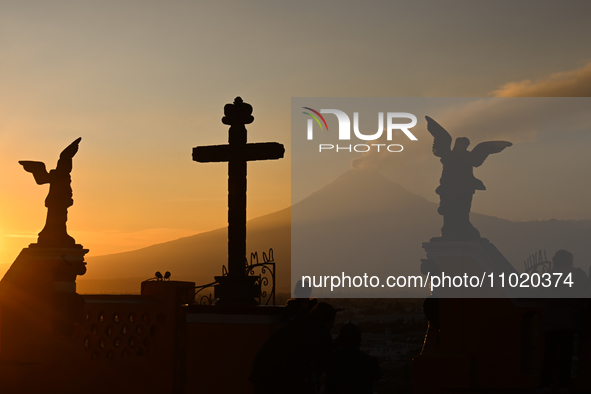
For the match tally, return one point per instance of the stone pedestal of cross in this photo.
(237, 287)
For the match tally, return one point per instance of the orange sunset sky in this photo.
(142, 82)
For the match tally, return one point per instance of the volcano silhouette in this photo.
(361, 217)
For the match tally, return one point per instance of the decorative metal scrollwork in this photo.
(205, 299)
(537, 263)
(265, 273)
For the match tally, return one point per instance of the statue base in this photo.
(46, 246)
(466, 259)
(38, 296)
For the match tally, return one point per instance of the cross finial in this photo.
(238, 113)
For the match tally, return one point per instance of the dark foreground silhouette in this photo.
(563, 319)
(294, 357)
(351, 371)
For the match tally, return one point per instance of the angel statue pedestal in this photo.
(38, 298)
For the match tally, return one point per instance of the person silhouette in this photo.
(350, 370)
(562, 318)
(293, 358)
(302, 304)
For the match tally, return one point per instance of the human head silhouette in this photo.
(325, 314)
(461, 144)
(302, 289)
(349, 336)
(562, 258)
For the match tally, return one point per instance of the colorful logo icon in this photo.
(316, 117)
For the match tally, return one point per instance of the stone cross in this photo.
(237, 287)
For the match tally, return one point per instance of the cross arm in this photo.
(247, 152)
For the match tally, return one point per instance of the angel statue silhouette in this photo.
(458, 184)
(59, 198)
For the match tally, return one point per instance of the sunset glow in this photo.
(143, 84)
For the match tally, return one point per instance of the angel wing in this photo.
(442, 139)
(482, 150)
(37, 169)
(64, 164)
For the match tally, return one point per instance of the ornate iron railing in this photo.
(537, 262)
(266, 280)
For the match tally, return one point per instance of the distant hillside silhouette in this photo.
(196, 258)
(390, 216)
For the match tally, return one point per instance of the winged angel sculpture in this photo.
(59, 198)
(458, 184)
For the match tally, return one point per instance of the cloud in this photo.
(514, 119)
(519, 112)
(574, 83)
